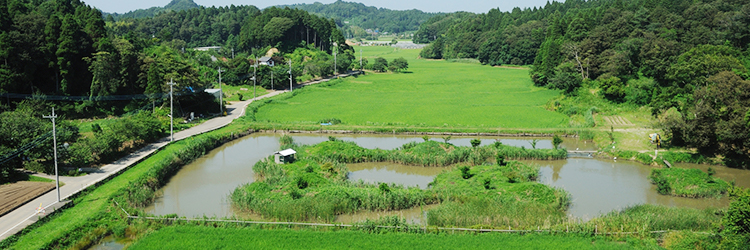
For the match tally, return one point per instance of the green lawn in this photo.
(196, 237)
(430, 94)
(232, 93)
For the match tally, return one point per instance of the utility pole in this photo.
(255, 76)
(171, 110)
(232, 53)
(54, 147)
(360, 59)
(290, 76)
(221, 94)
(271, 78)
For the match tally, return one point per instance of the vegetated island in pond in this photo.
(315, 187)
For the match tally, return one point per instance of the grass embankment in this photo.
(94, 213)
(194, 237)
(692, 183)
(315, 187)
(436, 94)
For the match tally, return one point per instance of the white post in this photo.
(221, 95)
(290, 76)
(255, 75)
(54, 147)
(335, 65)
(171, 110)
(271, 78)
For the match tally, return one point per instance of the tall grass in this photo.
(198, 237)
(692, 183)
(309, 191)
(497, 196)
(646, 218)
(496, 213)
(678, 157)
(429, 153)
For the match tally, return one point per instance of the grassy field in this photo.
(430, 94)
(232, 93)
(192, 237)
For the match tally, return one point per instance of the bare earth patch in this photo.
(16, 194)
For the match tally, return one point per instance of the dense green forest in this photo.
(687, 60)
(356, 18)
(175, 5)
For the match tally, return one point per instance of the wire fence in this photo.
(423, 228)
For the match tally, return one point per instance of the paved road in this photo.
(25, 215)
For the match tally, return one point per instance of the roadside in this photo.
(21, 216)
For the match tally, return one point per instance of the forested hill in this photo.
(65, 48)
(356, 18)
(687, 60)
(175, 5)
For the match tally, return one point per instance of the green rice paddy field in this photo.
(192, 237)
(430, 94)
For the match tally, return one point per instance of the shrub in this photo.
(475, 142)
(487, 183)
(500, 159)
(425, 138)
(737, 218)
(383, 187)
(465, 172)
(556, 141)
(286, 140)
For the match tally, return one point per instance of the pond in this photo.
(596, 185)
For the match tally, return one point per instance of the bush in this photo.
(500, 159)
(465, 172)
(556, 141)
(286, 140)
(37, 166)
(475, 142)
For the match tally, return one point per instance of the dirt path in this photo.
(15, 194)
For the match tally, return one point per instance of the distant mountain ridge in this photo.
(175, 5)
(357, 17)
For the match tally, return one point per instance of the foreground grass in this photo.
(434, 94)
(192, 237)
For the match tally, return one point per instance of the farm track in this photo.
(617, 121)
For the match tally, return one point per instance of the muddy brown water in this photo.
(201, 187)
(599, 186)
(596, 186)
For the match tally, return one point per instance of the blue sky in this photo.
(477, 6)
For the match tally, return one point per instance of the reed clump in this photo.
(692, 183)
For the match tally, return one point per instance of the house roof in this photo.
(265, 59)
(286, 152)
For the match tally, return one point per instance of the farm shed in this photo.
(284, 156)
